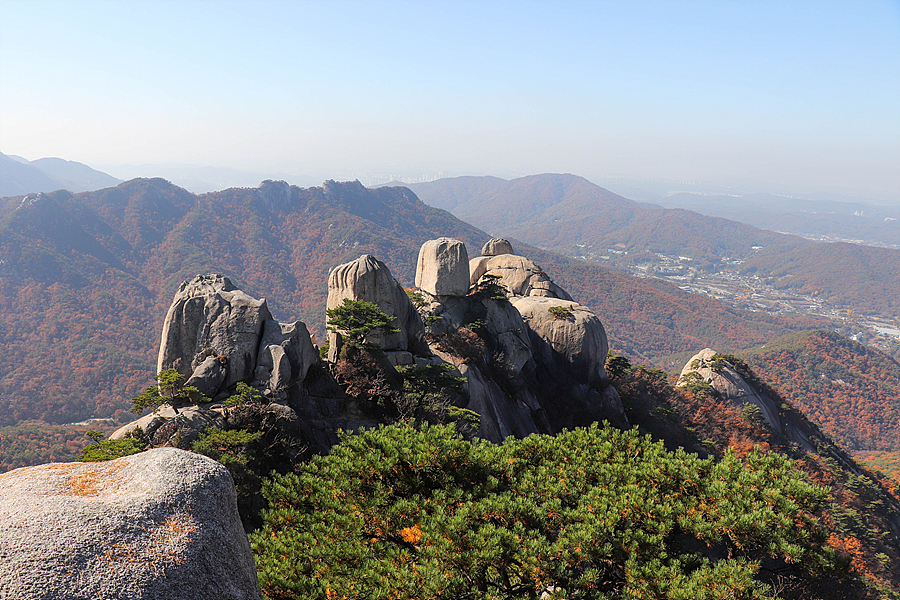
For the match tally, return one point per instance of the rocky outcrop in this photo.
(734, 389)
(158, 524)
(216, 336)
(275, 195)
(533, 363)
(369, 279)
(211, 317)
(165, 427)
(443, 268)
(519, 276)
(566, 335)
(496, 247)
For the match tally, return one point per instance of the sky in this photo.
(800, 93)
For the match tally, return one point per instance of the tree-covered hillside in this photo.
(86, 280)
(572, 216)
(851, 391)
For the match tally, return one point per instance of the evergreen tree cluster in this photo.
(401, 512)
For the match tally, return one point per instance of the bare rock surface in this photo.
(208, 376)
(518, 275)
(496, 246)
(369, 279)
(733, 388)
(158, 524)
(285, 352)
(443, 268)
(573, 339)
(210, 317)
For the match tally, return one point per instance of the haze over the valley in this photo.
(787, 98)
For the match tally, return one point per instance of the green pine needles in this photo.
(400, 512)
(169, 389)
(356, 319)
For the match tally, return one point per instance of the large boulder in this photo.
(519, 276)
(566, 335)
(369, 279)
(210, 317)
(159, 524)
(443, 268)
(496, 247)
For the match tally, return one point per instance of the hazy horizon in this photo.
(796, 96)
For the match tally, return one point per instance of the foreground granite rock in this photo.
(161, 524)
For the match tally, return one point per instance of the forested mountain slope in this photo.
(849, 390)
(86, 278)
(570, 215)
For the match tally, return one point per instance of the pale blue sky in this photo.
(803, 93)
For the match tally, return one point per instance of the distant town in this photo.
(751, 292)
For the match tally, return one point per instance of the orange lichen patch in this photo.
(179, 525)
(95, 479)
(163, 545)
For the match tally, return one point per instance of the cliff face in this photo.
(531, 358)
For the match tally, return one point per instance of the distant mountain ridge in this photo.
(868, 223)
(19, 176)
(85, 279)
(570, 215)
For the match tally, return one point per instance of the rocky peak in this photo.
(369, 279)
(275, 195)
(443, 268)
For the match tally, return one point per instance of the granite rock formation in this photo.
(369, 279)
(734, 389)
(539, 370)
(216, 336)
(159, 524)
(532, 359)
(443, 268)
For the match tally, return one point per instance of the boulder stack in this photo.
(216, 336)
(158, 524)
